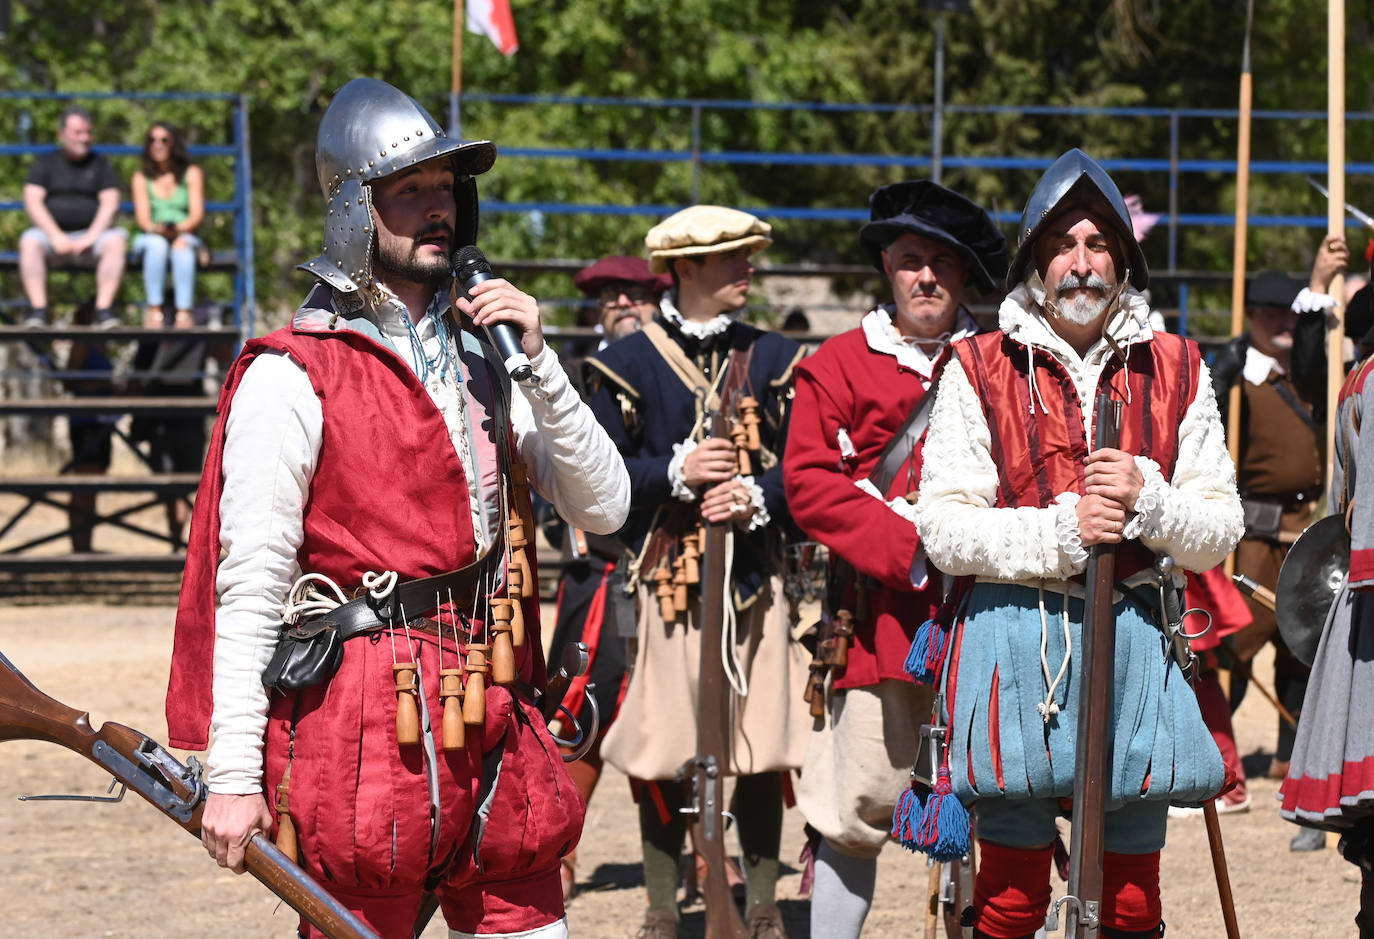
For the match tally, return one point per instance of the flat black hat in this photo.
(925, 208)
(1272, 288)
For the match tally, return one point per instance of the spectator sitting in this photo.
(72, 195)
(169, 203)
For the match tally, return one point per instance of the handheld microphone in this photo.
(470, 268)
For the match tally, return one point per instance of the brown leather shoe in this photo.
(765, 922)
(658, 924)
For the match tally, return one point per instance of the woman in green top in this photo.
(169, 203)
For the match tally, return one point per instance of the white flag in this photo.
(492, 18)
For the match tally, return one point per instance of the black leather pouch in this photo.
(306, 655)
(1263, 518)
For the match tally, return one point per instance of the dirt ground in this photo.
(88, 870)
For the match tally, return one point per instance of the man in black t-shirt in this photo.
(72, 196)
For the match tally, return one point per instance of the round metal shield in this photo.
(1311, 576)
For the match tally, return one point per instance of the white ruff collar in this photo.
(882, 336)
(712, 327)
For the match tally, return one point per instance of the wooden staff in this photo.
(1238, 248)
(1335, 212)
(1228, 904)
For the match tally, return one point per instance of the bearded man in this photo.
(1016, 499)
(377, 449)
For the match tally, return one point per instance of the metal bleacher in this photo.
(34, 378)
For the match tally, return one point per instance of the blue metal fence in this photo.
(1172, 164)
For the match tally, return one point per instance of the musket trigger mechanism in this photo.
(116, 797)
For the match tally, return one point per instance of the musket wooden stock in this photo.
(713, 734)
(144, 766)
(1096, 651)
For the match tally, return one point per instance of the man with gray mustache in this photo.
(1015, 499)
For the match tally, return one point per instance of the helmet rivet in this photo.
(361, 170)
(371, 162)
(381, 152)
(1028, 232)
(339, 264)
(406, 139)
(1044, 212)
(348, 171)
(394, 145)
(420, 132)
(365, 228)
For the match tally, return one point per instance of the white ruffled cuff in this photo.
(760, 518)
(676, 476)
(899, 505)
(1066, 529)
(1309, 301)
(1149, 505)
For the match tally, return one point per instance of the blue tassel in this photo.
(915, 664)
(945, 831)
(927, 656)
(906, 817)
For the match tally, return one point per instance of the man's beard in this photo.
(1083, 309)
(393, 263)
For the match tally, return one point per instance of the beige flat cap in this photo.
(704, 229)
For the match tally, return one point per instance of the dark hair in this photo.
(74, 110)
(697, 259)
(177, 158)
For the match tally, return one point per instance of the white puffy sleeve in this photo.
(961, 528)
(271, 448)
(571, 460)
(1195, 516)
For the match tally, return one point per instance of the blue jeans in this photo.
(155, 250)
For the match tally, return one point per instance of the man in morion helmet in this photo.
(374, 443)
(1017, 497)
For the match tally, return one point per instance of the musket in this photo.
(140, 763)
(705, 772)
(1097, 649)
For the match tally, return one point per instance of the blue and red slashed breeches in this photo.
(362, 808)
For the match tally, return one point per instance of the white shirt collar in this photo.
(1258, 366)
(712, 327)
(883, 338)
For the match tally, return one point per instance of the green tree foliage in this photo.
(289, 57)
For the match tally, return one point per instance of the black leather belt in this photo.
(365, 614)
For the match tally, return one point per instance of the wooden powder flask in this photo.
(518, 543)
(837, 655)
(515, 589)
(475, 691)
(815, 686)
(286, 829)
(663, 576)
(451, 694)
(740, 437)
(748, 407)
(520, 494)
(502, 648)
(691, 557)
(680, 584)
(407, 707)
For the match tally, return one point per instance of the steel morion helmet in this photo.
(370, 131)
(1076, 180)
